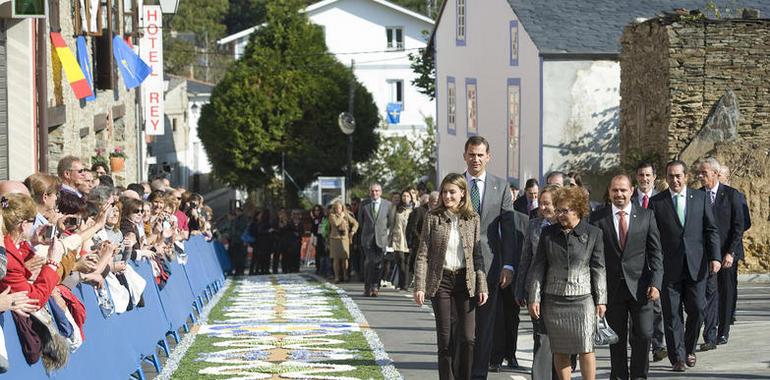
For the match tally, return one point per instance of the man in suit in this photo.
(728, 212)
(374, 225)
(724, 177)
(645, 190)
(506, 335)
(527, 203)
(634, 265)
(491, 199)
(690, 240)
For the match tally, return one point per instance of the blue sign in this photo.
(394, 113)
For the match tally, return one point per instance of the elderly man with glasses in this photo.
(72, 174)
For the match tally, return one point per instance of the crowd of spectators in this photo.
(79, 227)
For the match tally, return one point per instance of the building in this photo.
(41, 119)
(375, 36)
(179, 154)
(540, 80)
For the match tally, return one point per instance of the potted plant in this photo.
(99, 158)
(117, 159)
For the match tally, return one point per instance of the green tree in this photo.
(281, 101)
(401, 161)
(423, 64)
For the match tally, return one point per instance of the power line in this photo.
(216, 52)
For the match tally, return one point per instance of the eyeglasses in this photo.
(560, 211)
(81, 171)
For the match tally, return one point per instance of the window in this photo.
(451, 106)
(514, 43)
(514, 127)
(395, 37)
(173, 124)
(396, 88)
(461, 17)
(472, 106)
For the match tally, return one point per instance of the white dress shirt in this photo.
(616, 219)
(713, 191)
(684, 199)
(640, 196)
(455, 257)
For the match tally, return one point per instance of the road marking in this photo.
(517, 377)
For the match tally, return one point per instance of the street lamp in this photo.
(347, 124)
(169, 6)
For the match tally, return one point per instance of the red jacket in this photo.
(17, 274)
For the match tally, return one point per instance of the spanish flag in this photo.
(72, 70)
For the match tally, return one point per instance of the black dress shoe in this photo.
(722, 340)
(708, 346)
(691, 359)
(659, 354)
(495, 368)
(512, 363)
(678, 367)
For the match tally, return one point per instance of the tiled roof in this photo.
(595, 26)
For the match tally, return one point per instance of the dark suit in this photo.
(507, 321)
(658, 331)
(373, 230)
(413, 230)
(497, 247)
(631, 270)
(720, 292)
(687, 251)
(739, 254)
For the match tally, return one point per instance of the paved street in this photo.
(409, 338)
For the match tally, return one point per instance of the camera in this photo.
(71, 221)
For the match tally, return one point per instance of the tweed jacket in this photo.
(569, 264)
(429, 263)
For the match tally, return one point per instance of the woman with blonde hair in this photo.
(450, 269)
(342, 227)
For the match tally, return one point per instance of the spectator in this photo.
(398, 238)
(527, 203)
(72, 174)
(100, 169)
(342, 226)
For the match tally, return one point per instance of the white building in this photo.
(377, 35)
(539, 79)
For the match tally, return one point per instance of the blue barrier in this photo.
(115, 346)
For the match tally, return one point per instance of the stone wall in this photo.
(82, 133)
(673, 74)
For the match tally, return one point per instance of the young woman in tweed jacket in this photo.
(449, 269)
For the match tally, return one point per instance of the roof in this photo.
(595, 26)
(197, 87)
(322, 4)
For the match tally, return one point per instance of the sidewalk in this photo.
(408, 334)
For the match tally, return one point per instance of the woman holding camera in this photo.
(450, 269)
(342, 226)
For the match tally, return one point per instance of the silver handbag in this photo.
(604, 335)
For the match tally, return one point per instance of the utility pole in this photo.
(351, 106)
(206, 54)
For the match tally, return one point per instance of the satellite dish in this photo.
(347, 123)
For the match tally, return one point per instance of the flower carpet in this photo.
(285, 327)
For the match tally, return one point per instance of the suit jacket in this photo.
(728, 213)
(569, 264)
(429, 263)
(520, 224)
(371, 228)
(521, 204)
(497, 225)
(528, 249)
(739, 254)
(697, 241)
(414, 227)
(639, 264)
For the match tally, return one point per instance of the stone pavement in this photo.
(408, 334)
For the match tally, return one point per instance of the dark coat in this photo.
(640, 263)
(728, 213)
(697, 240)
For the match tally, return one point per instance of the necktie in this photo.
(645, 201)
(679, 204)
(713, 195)
(622, 229)
(475, 196)
(375, 209)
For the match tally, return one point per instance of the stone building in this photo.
(691, 87)
(80, 128)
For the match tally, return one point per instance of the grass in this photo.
(365, 364)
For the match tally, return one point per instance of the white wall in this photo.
(580, 111)
(486, 57)
(197, 158)
(22, 120)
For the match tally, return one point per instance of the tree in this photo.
(281, 101)
(423, 64)
(402, 161)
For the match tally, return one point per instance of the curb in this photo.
(755, 278)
